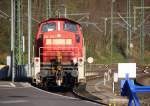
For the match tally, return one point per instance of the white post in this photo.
(12, 40)
(29, 36)
(105, 77)
(115, 80)
(65, 12)
(109, 73)
(104, 80)
(113, 87)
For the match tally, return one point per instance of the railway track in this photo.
(77, 92)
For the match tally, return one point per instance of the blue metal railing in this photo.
(129, 89)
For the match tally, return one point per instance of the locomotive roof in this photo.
(60, 19)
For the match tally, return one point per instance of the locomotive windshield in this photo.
(49, 27)
(71, 27)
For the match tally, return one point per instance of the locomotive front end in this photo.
(60, 48)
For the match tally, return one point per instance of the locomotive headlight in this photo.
(80, 61)
(75, 60)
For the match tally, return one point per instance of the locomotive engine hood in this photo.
(63, 44)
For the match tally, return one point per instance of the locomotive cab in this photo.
(59, 47)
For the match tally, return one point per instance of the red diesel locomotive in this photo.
(59, 53)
